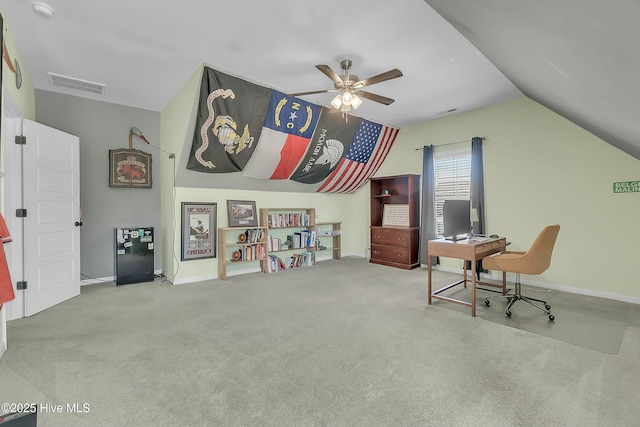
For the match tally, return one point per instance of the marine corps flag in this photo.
(331, 140)
(231, 112)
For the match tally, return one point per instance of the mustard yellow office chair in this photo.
(534, 261)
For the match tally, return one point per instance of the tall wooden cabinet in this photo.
(395, 221)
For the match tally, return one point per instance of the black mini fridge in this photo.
(134, 255)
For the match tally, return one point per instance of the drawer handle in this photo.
(401, 239)
(376, 252)
(377, 236)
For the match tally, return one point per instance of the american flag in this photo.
(369, 148)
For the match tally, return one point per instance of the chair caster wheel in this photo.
(547, 306)
(508, 313)
(487, 302)
(552, 317)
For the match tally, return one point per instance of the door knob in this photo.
(78, 223)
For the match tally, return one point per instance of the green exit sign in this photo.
(626, 187)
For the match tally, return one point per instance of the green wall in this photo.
(539, 169)
(176, 130)
(542, 169)
(25, 96)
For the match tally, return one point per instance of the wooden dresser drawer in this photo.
(390, 236)
(393, 254)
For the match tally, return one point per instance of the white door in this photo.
(51, 196)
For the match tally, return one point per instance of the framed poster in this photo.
(129, 168)
(198, 231)
(242, 213)
(395, 215)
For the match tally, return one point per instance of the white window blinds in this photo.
(452, 179)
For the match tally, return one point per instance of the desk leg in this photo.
(504, 283)
(473, 288)
(464, 272)
(429, 280)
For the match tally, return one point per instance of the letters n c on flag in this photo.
(287, 130)
(364, 157)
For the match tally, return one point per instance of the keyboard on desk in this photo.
(480, 239)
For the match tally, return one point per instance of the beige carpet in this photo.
(583, 329)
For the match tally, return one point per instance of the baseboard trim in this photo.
(561, 288)
(96, 280)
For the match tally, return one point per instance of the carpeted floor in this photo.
(342, 343)
(576, 325)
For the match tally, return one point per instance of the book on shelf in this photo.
(274, 243)
(279, 220)
(254, 235)
(250, 253)
(302, 259)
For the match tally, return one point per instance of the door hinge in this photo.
(21, 140)
(21, 213)
(21, 285)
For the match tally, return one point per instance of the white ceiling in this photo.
(145, 51)
(580, 58)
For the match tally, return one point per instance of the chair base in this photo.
(517, 296)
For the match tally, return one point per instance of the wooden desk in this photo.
(469, 250)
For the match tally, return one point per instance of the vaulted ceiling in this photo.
(578, 58)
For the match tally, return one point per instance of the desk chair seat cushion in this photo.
(534, 261)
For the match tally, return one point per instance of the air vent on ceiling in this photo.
(77, 84)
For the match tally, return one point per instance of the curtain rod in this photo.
(450, 143)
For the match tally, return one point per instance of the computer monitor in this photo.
(456, 218)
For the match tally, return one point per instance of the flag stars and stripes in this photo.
(365, 142)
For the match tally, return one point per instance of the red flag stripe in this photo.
(349, 175)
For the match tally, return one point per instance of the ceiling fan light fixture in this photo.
(356, 101)
(347, 97)
(337, 102)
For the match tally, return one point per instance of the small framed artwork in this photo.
(198, 230)
(395, 215)
(129, 168)
(242, 213)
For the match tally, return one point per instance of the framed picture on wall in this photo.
(242, 213)
(129, 168)
(198, 230)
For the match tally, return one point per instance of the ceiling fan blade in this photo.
(312, 92)
(391, 74)
(378, 98)
(331, 74)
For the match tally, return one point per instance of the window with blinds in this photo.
(453, 180)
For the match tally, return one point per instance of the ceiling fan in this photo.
(349, 86)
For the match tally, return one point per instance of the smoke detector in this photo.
(43, 9)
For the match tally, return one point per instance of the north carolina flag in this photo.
(363, 158)
(286, 134)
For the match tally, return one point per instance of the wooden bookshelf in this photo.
(234, 249)
(328, 233)
(395, 221)
(291, 235)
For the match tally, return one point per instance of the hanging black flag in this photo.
(330, 141)
(231, 112)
